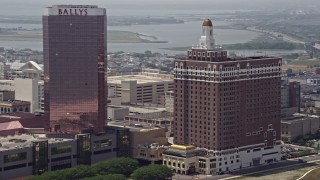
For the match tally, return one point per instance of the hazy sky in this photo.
(34, 7)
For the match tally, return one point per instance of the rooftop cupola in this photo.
(207, 41)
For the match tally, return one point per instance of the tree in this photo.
(122, 165)
(107, 177)
(77, 172)
(152, 172)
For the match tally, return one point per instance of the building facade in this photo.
(145, 88)
(25, 155)
(12, 106)
(74, 51)
(290, 98)
(228, 105)
(169, 101)
(295, 126)
(143, 142)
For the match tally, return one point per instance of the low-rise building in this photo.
(145, 142)
(146, 88)
(297, 125)
(12, 106)
(290, 98)
(162, 119)
(117, 112)
(189, 159)
(25, 155)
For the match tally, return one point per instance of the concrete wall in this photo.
(117, 113)
(129, 91)
(292, 129)
(27, 90)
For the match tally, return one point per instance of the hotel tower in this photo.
(74, 51)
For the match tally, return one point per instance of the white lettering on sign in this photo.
(73, 12)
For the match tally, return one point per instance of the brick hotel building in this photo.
(74, 51)
(230, 107)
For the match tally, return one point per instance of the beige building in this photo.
(169, 101)
(117, 112)
(146, 142)
(189, 159)
(14, 106)
(146, 88)
(298, 126)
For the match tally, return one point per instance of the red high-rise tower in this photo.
(228, 105)
(74, 50)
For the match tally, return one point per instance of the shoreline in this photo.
(112, 37)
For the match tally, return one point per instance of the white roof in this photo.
(33, 64)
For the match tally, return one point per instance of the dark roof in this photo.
(27, 120)
(207, 22)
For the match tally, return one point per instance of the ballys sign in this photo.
(73, 12)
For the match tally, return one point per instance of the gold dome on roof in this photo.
(207, 22)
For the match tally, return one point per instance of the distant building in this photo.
(145, 88)
(4, 69)
(290, 98)
(228, 105)
(313, 81)
(74, 68)
(28, 90)
(19, 69)
(6, 85)
(12, 106)
(25, 89)
(169, 101)
(295, 126)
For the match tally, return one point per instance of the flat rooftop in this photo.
(143, 109)
(297, 118)
(133, 126)
(28, 120)
(141, 79)
(25, 140)
(14, 103)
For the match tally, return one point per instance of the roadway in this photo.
(276, 34)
